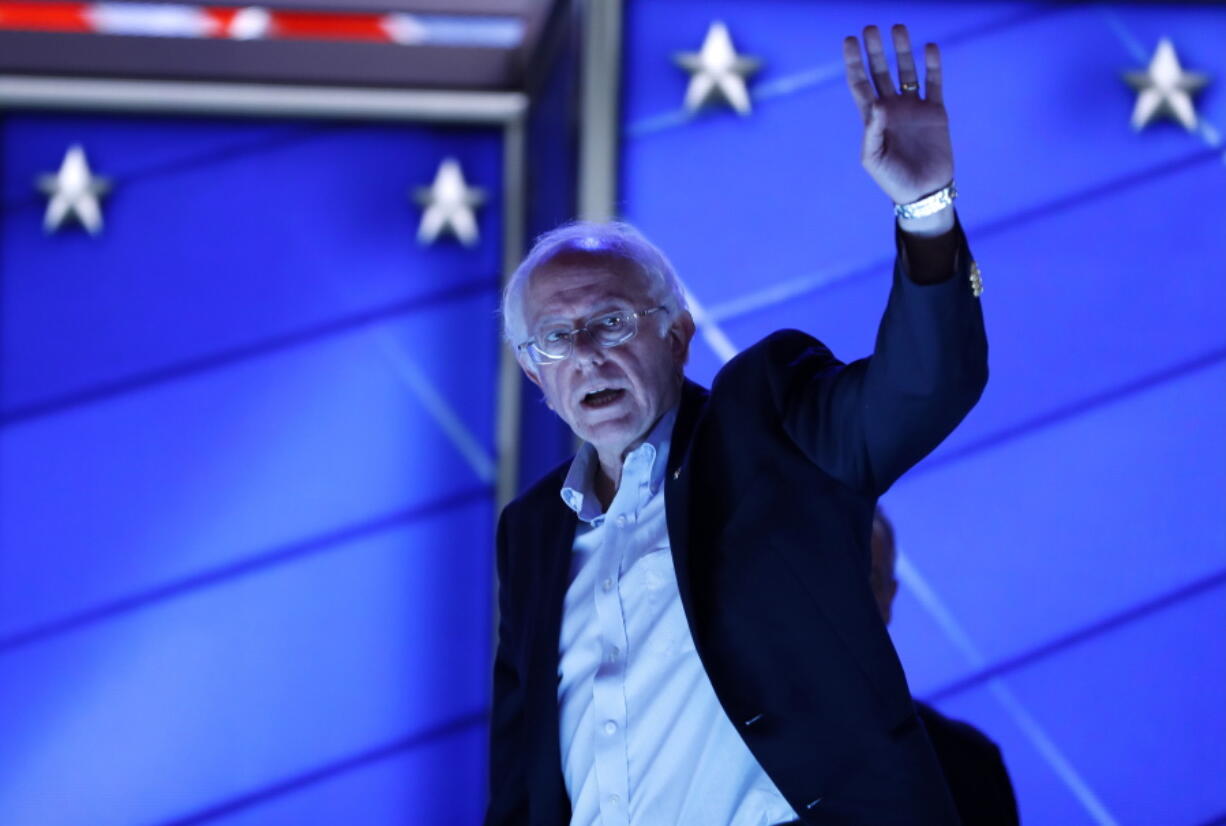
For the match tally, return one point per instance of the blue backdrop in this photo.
(1063, 554)
(246, 500)
(245, 478)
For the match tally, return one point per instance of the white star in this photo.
(1165, 89)
(74, 192)
(449, 203)
(717, 68)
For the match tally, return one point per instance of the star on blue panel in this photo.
(73, 192)
(449, 206)
(1165, 89)
(717, 71)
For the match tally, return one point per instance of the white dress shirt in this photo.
(644, 739)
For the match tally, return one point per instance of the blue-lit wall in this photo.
(245, 495)
(1064, 553)
(246, 498)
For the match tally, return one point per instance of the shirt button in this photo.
(621, 521)
(610, 728)
(607, 585)
(613, 652)
(614, 800)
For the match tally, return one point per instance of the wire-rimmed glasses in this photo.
(555, 343)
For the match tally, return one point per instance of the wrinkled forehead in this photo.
(576, 283)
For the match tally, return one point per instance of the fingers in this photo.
(877, 63)
(932, 73)
(857, 80)
(908, 82)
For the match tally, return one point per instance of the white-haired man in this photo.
(687, 633)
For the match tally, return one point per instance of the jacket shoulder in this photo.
(765, 370)
(781, 349)
(950, 735)
(544, 492)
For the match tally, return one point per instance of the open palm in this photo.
(906, 147)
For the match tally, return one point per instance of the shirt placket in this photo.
(608, 688)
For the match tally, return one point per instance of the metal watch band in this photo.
(929, 204)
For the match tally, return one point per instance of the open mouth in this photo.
(603, 397)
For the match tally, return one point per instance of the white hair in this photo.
(602, 240)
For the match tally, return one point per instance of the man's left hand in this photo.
(906, 147)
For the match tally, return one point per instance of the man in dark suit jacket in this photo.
(694, 639)
(971, 762)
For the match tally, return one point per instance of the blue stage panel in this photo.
(794, 40)
(102, 502)
(1070, 525)
(1137, 712)
(34, 143)
(212, 254)
(235, 688)
(742, 204)
(1197, 32)
(1040, 111)
(1077, 304)
(431, 784)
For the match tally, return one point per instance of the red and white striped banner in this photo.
(256, 23)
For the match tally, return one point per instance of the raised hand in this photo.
(906, 147)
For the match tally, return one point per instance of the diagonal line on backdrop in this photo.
(406, 369)
(910, 576)
(830, 276)
(396, 356)
(794, 287)
(709, 329)
(1070, 411)
(328, 771)
(1130, 42)
(823, 74)
(224, 358)
(202, 160)
(1039, 652)
(246, 566)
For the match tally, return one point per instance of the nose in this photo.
(584, 349)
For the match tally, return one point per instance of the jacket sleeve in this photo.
(867, 422)
(508, 792)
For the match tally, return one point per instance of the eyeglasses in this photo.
(555, 344)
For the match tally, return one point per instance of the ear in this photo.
(680, 334)
(529, 368)
(891, 592)
(530, 371)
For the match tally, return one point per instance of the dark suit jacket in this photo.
(974, 769)
(772, 479)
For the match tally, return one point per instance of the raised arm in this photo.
(867, 422)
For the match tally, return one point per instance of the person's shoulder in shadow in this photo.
(973, 768)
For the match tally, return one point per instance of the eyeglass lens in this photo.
(607, 330)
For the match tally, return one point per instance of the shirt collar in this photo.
(577, 489)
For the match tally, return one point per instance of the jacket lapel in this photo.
(678, 488)
(553, 540)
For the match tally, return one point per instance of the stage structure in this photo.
(256, 422)
(252, 448)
